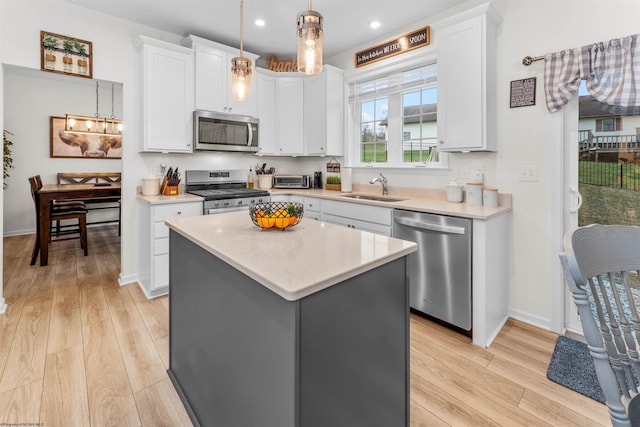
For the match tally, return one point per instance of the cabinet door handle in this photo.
(179, 212)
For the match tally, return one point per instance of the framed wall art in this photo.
(82, 145)
(65, 55)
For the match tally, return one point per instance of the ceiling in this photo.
(346, 22)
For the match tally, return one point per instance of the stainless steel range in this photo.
(223, 190)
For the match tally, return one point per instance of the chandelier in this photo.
(94, 125)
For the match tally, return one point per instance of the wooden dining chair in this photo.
(601, 265)
(59, 211)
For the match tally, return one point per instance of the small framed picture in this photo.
(65, 55)
(82, 145)
(523, 92)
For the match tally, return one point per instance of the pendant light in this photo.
(310, 41)
(241, 67)
(94, 125)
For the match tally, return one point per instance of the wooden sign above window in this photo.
(410, 41)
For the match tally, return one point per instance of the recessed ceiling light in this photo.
(259, 22)
(374, 24)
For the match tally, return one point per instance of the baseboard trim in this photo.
(531, 319)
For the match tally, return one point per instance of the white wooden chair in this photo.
(601, 265)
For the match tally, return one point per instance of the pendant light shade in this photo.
(94, 125)
(310, 41)
(241, 67)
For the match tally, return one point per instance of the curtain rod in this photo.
(528, 60)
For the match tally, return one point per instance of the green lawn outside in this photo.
(381, 154)
(608, 205)
(603, 199)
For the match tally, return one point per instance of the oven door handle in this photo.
(250, 135)
(212, 211)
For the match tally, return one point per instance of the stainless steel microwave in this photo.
(225, 132)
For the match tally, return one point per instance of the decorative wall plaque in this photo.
(523, 92)
(282, 65)
(66, 55)
(410, 41)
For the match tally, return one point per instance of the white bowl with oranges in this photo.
(276, 215)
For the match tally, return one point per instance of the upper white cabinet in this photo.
(167, 96)
(324, 112)
(289, 115)
(467, 95)
(266, 93)
(213, 78)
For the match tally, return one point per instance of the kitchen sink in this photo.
(372, 197)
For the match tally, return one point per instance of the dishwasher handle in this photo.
(429, 226)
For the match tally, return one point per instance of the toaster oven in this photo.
(291, 181)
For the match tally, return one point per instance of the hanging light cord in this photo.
(113, 116)
(97, 110)
(241, 25)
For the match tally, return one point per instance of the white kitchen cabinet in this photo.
(324, 112)
(266, 93)
(357, 216)
(213, 78)
(289, 115)
(154, 243)
(312, 208)
(167, 96)
(467, 92)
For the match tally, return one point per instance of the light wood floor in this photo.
(76, 349)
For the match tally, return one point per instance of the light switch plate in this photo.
(528, 173)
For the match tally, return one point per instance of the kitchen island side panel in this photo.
(354, 351)
(232, 343)
(241, 355)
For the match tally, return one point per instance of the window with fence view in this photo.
(608, 164)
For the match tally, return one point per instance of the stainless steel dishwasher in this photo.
(440, 271)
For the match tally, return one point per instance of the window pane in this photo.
(419, 124)
(373, 129)
(367, 110)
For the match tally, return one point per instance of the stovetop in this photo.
(220, 185)
(228, 193)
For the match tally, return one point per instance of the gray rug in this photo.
(571, 366)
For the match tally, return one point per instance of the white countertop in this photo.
(295, 262)
(179, 198)
(421, 200)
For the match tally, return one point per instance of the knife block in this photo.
(170, 190)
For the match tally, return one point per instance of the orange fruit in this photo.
(293, 220)
(281, 218)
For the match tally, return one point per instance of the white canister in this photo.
(474, 193)
(455, 192)
(265, 181)
(150, 185)
(490, 197)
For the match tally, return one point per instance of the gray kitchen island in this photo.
(307, 326)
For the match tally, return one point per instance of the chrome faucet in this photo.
(382, 180)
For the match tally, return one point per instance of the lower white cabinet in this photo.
(154, 243)
(374, 219)
(311, 208)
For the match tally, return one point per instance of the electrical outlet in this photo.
(528, 173)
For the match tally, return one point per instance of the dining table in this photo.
(50, 192)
